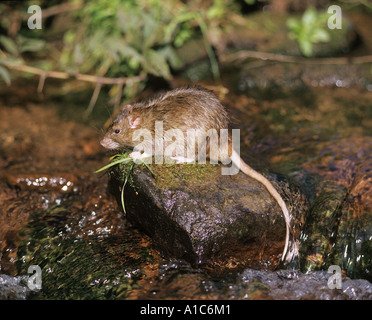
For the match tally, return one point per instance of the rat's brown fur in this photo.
(184, 109)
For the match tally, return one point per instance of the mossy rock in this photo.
(194, 213)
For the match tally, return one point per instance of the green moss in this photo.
(172, 175)
(166, 175)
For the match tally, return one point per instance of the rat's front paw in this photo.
(136, 155)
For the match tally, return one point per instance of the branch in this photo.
(245, 54)
(99, 81)
(77, 76)
(93, 100)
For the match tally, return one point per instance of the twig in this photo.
(245, 54)
(41, 83)
(40, 72)
(93, 100)
(99, 81)
(78, 76)
(118, 96)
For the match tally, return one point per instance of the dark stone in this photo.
(194, 213)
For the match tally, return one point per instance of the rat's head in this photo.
(120, 132)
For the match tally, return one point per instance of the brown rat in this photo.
(184, 109)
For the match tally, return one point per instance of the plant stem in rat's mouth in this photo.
(128, 162)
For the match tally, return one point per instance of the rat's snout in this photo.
(103, 143)
(109, 143)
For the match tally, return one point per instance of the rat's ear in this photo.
(134, 122)
(128, 107)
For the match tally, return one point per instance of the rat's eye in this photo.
(117, 131)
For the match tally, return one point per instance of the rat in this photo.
(184, 108)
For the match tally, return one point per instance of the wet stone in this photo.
(192, 212)
(63, 182)
(294, 285)
(13, 288)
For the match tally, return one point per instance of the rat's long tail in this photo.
(235, 158)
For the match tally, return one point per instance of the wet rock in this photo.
(83, 269)
(13, 288)
(293, 75)
(194, 213)
(64, 182)
(339, 230)
(294, 285)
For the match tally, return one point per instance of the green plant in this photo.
(14, 49)
(127, 37)
(308, 30)
(127, 164)
(116, 42)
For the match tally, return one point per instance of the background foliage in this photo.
(115, 38)
(128, 38)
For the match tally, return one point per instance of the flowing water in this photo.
(59, 215)
(312, 124)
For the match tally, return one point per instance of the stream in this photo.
(311, 124)
(57, 213)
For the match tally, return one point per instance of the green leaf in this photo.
(148, 167)
(124, 49)
(121, 20)
(78, 54)
(124, 184)
(306, 48)
(5, 75)
(320, 35)
(170, 29)
(309, 16)
(9, 45)
(151, 27)
(156, 64)
(170, 55)
(123, 160)
(31, 45)
(293, 24)
(215, 11)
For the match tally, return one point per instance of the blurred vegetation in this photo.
(309, 30)
(129, 40)
(115, 38)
